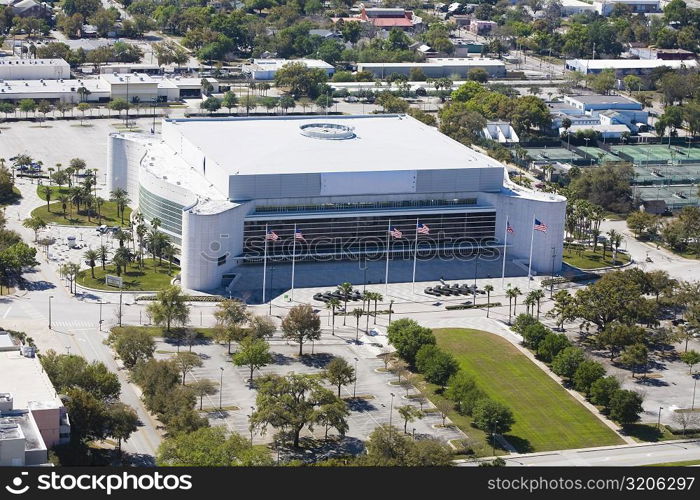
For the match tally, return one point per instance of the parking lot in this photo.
(374, 388)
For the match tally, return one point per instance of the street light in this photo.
(391, 409)
(250, 424)
(695, 377)
(221, 386)
(101, 302)
(354, 387)
(50, 297)
(658, 422)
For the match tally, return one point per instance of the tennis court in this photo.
(553, 154)
(599, 155)
(657, 153)
(667, 174)
(675, 196)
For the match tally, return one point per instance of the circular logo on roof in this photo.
(328, 131)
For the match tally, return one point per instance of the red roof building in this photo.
(389, 18)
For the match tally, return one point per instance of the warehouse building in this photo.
(624, 67)
(14, 68)
(217, 185)
(266, 69)
(438, 67)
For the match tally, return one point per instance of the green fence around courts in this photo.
(657, 153)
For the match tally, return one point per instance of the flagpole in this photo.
(264, 266)
(294, 256)
(505, 250)
(386, 272)
(415, 257)
(529, 265)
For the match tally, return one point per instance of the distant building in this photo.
(32, 417)
(500, 132)
(389, 18)
(479, 27)
(606, 7)
(623, 67)
(438, 67)
(29, 8)
(597, 102)
(664, 54)
(14, 68)
(266, 69)
(571, 7)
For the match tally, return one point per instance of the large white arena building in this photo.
(217, 185)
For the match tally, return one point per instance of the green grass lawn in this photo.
(55, 192)
(676, 464)
(592, 260)
(547, 417)
(148, 278)
(108, 215)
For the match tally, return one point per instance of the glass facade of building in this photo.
(339, 238)
(170, 213)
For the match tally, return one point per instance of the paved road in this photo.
(633, 455)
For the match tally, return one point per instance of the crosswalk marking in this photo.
(75, 324)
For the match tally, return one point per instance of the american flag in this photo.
(271, 235)
(298, 235)
(395, 233)
(422, 229)
(509, 228)
(540, 226)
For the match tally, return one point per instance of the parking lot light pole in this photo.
(221, 386)
(50, 297)
(493, 435)
(354, 387)
(101, 302)
(658, 422)
(391, 409)
(692, 404)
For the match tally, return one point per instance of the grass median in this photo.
(152, 277)
(588, 259)
(53, 213)
(547, 417)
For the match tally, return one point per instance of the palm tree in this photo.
(64, 200)
(76, 198)
(510, 293)
(122, 256)
(366, 297)
(141, 231)
(91, 256)
(357, 312)
(345, 289)
(332, 304)
(121, 236)
(516, 293)
(170, 252)
(537, 295)
(103, 255)
(612, 236)
(529, 303)
(121, 198)
(47, 191)
(377, 297)
(488, 289)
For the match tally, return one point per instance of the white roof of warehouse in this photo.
(595, 64)
(278, 145)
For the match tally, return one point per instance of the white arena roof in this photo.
(315, 144)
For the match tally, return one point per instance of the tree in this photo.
(407, 337)
(635, 356)
(478, 75)
(625, 406)
(203, 387)
(435, 364)
(522, 322)
(603, 82)
(537, 295)
(210, 447)
(512, 294)
(230, 317)
(66, 371)
(409, 414)
(488, 289)
(338, 372)
(211, 104)
(229, 101)
(333, 304)
(132, 345)
(169, 308)
(27, 106)
(253, 353)
(567, 361)
(690, 358)
(602, 390)
(686, 419)
(122, 422)
(120, 197)
(300, 80)
(261, 326)
(88, 415)
(91, 257)
(358, 312)
(118, 105)
(387, 446)
(186, 362)
(290, 403)
(552, 345)
(616, 336)
(462, 389)
(492, 417)
(534, 334)
(345, 291)
(587, 373)
(35, 224)
(301, 325)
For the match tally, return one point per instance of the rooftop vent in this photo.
(327, 131)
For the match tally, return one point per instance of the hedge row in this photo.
(457, 307)
(188, 298)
